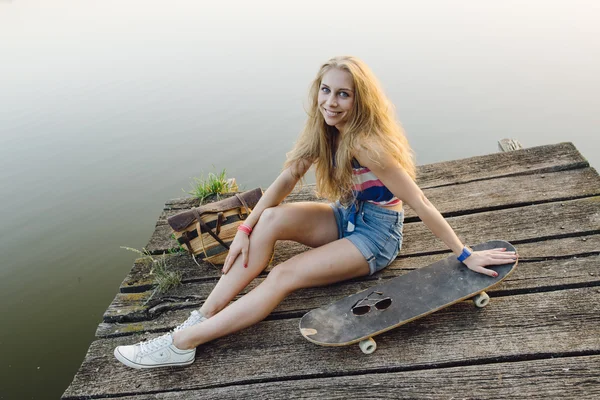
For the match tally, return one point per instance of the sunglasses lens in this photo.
(383, 304)
(361, 310)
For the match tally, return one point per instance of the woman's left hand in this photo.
(479, 259)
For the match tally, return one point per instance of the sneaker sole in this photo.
(132, 364)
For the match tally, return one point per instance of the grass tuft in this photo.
(164, 278)
(175, 250)
(214, 184)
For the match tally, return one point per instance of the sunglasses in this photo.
(380, 304)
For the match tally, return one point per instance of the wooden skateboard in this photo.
(359, 317)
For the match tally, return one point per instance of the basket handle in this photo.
(207, 229)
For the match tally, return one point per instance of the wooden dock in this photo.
(538, 338)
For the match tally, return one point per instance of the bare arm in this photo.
(403, 187)
(279, 189)
(395, 178)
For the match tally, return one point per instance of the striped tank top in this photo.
(367, 187)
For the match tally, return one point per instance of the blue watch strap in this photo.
(465, 254)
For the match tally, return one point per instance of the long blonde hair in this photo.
(372, 125)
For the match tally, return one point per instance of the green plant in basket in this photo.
(214, 184)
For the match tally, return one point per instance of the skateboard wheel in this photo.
(368, 345)
(481, 300)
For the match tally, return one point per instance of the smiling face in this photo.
(336, 97)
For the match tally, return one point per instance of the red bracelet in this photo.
(245, 228)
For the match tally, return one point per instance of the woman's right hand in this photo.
(240, 244)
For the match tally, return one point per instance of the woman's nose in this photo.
(331, 101)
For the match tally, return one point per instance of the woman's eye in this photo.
(344, 94)
(325, 90)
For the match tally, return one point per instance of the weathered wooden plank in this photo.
(132, 307)
(510, 192)
(139, 279)
(539, 159)
(513, 191)
(579, 246)
(529, 223)
(554, 378)
(509, 328)
(128, 314)
(471, 197)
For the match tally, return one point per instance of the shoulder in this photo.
(390, 172)
(374, 157)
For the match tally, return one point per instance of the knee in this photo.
(281, 278)
(268, 215)
(213, 307)
(269, 219)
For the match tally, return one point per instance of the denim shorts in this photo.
(377, 232)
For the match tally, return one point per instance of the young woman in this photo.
(362, 162)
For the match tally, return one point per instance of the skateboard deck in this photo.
(401, 300)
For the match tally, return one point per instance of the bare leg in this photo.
(336, 261)
(309, 223)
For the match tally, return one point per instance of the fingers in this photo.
(498, 251)
(503, 258)
(229, 260)
(486, 271)
(245, 257)
(497, 256)
(500, 254)
(495, 261)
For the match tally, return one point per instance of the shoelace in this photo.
(155, 344)
(193, 319)
(165, 340)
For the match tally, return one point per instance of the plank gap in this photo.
(565, 257)
(139, 288)
(554, 237)
(543, 289)
(460, 213)
(536, 239)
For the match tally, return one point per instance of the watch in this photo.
(466, 252)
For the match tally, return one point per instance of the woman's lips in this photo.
(331, 113)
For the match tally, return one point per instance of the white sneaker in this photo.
(160, 351)
(194, 318)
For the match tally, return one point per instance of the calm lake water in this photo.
(109, 108)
